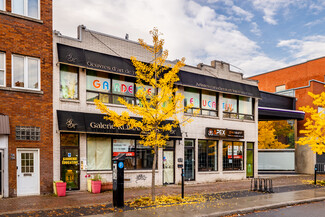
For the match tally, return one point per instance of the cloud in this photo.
(310, 47)
(255, 29)
(241, 12)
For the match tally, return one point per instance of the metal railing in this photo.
(262, 185)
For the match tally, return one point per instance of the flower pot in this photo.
(54, 187)
(96, 186)
(89, 185)
(107, 186)
(61, 188)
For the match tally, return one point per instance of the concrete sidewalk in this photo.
(228, 206)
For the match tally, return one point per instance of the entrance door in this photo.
(189, 160)
(28, 176)
(70, 160)
(168, 167)
(250, 160)
(1, 173)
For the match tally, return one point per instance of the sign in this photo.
(98, 84)
(70, 160)
(224, 133)
(120, 165)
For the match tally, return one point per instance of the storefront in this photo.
(4, 176)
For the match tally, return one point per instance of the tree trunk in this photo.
(153, 181)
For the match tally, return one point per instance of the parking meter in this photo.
(118, 180)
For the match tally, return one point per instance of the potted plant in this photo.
(54, 187)
(87, 176)
(61, 188)
(106, 186)
(96, 184)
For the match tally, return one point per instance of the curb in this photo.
(265, 207)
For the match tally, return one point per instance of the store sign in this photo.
(224, 133)
(123, 87)
(70, 160)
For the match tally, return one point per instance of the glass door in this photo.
(70, 160)
(189, 160)
(168, 163)
(250, 160)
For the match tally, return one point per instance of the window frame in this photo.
(26, 72)
(232, 156)
(200, 91)
(207, 156)
(238, 114)
(26, 9)
(78, 81)
(4, 69)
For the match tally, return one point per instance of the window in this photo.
(126, 146)
(208, 155)
(30, 8)
(233, 153)
(2, 68)
(280, 88)
(28, 133)
(69, 84)
(99, 153)
(144, 156)
(3, 5)
(108, 88)
(27, 162)
(205, 100)
(25, 72)
(237, 107)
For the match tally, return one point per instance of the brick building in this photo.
(26, 56)
(297, 81)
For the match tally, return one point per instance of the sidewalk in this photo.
(81, 199)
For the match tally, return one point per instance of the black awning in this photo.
(266, 114)
(273, 100)
(104, 62)
(95, 123)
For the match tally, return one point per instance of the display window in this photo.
(99, 153)
(208, 155)
(69, 84)
(238, 107)
(233, 155)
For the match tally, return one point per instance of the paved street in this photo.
(315, 209)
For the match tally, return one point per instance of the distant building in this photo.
(26, 112)
(297, 81)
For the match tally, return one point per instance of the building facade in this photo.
(220, 143)
(26, 112)
(297, 81)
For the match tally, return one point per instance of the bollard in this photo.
(315, 175)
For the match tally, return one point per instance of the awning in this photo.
(4, 125)
(113, 64)
(265, 114)
(95, 123)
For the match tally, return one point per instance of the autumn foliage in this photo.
(164, 103)
(315, 124)
(268, 132)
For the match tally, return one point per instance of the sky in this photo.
(253, 36)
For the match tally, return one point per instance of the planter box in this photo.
(107, 186)
(89, 185)
(96, 186)
(61, 188)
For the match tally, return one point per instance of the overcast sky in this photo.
(254, 36)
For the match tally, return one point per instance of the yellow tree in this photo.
(267, 136)
(165, 103)
(315, 124)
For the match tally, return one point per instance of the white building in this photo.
(220, 144)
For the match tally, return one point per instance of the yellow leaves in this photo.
(267, 138)
(314, 125)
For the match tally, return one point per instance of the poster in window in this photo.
(98, 84)
(192, 98)
(209, 101)
(123, 87)
(125, 146)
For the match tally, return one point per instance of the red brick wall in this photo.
(29, 38)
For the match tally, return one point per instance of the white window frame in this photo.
(4, 5)
(4, 69)
(26, 9)
(26, 58)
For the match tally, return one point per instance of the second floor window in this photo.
(29, 8)
(2, 69)
(237, 107)
(2, 4)
(25, 72)
(69, 85)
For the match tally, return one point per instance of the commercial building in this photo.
(297, 81)
(26, 110)
(220, 144)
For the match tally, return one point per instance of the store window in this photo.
(25, 72)
(69, 85)
(233, 153)
(206, 101)
(108, 88)
(99, 153)
(208, 155)
(126, 146)
(2, 68)
(144, 156)
(237, 107)
(30, 8)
